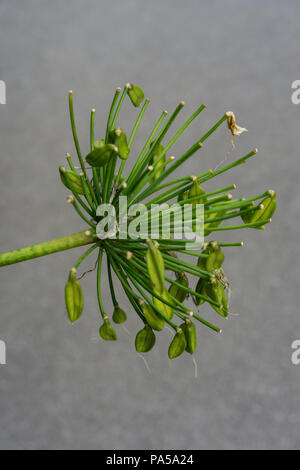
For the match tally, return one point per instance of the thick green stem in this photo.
(47, 248)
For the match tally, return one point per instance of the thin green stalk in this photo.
(111, 284)
(134, 131)
(85, 255)
(114, 119)
(82, 215)
(92, 146)
(182, 159)
(74, 132)
(101, 308)
(156, 143)
(136, 168)
(168, 146)
(111, 111)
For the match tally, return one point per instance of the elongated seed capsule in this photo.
(71, 180)
(106, 331)
(216, 292)
(266, 212)
(215, 259)
(177, 345)
(165, 309)
(145, 339)
(135, 94)
(73, 297)
(153, 319)
(175, 290)
(200, 289)
(156, 267)
(189, 329)
(119, 316)
(100, 156)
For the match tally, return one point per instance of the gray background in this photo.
(63, 387)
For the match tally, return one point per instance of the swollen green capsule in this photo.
(176, 291)
(73, 297)
(119, 316)
(200, 289)
(246, 218)
(216, 292)
(183, 196)
(189, 330)
(160, 164)
(101, 155)
(156, 267)
(165, 309)
(197, 190)
(215, 259)
(99, 143)
(145, 339)
(71, 180)
(135, 94)
(269, 207)
(153, 319)
(119, 139)
(177, 345)
(107, 332)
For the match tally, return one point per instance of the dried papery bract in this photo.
(158, 274)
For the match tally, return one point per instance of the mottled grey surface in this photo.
(64, 388)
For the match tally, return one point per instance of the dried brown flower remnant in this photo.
(233, 127)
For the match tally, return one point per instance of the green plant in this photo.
(141, 265)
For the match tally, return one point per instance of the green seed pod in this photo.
(177, 345)
(71, 180)
(119, 316)
(183, 196)
(165, 309)
(153, 319)
(178, 293)
(216, 292)
(189, 330)
(100, 156)
(246, 218)
(107, 332)
(269, 207)
(197, 190)
(73, 297)
(118, 138)
(135, 94)
(99, 143)
(215, 259)
(200, 289)
(266, 212)
(145, 339)
(156, 267)
(159, 164)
